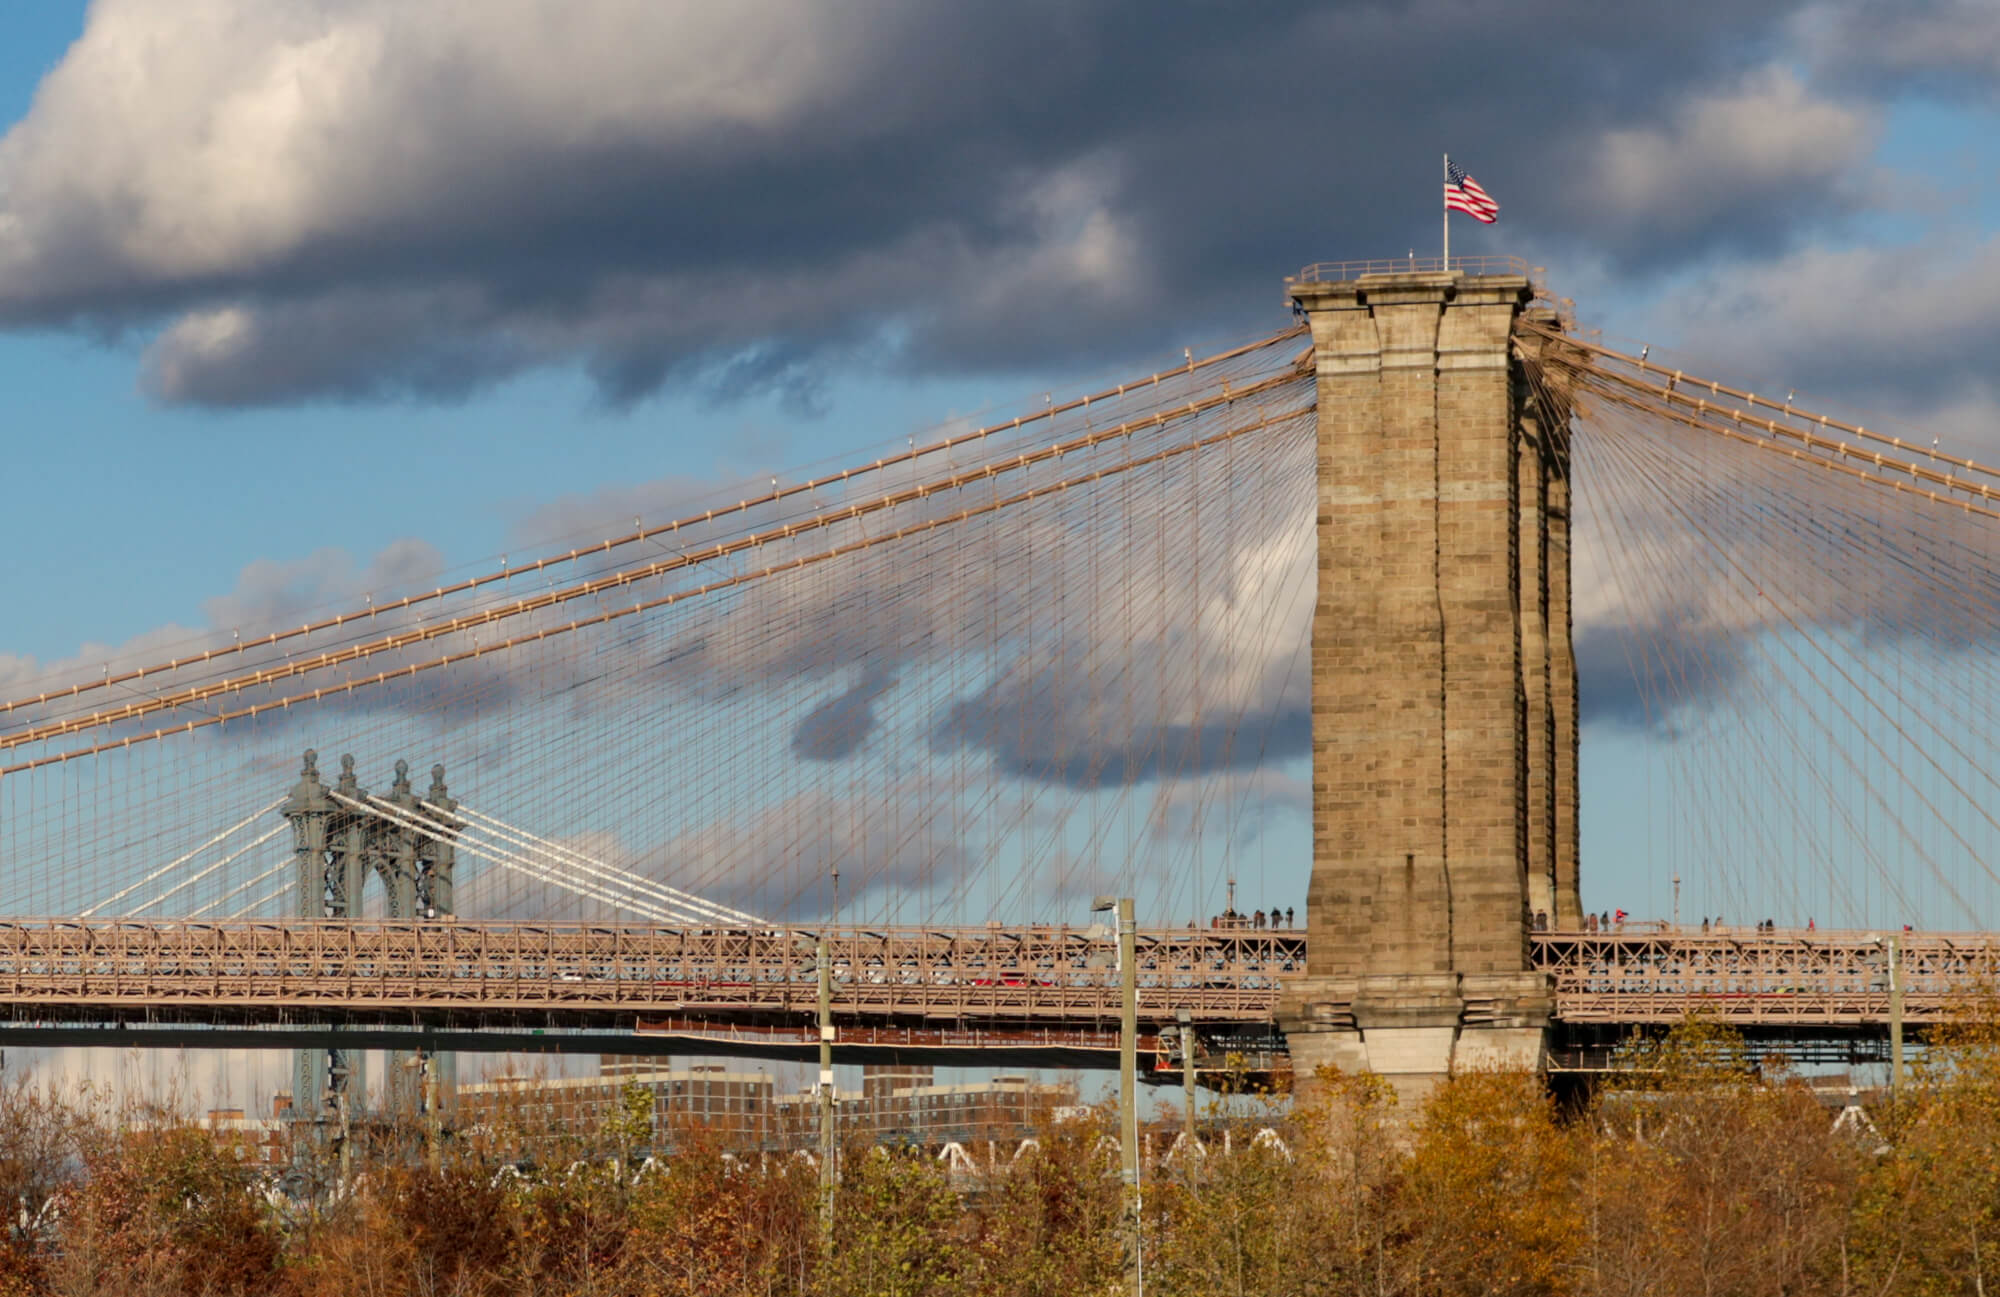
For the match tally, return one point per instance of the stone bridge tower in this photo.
(1443, 686)
(336, 844)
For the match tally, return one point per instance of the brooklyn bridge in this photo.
(972, 682)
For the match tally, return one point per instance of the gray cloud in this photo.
(1741, 167)
(273, 592)
(1950, 47)
(778, 861)
(374, 200)
(1046, 728)
(611, 510)
(835, 729)
(1907, 329)
(1653, 678)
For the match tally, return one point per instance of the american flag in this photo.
(1463, 194)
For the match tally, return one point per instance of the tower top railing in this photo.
(1330, 272)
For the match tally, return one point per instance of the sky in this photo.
(289, 286)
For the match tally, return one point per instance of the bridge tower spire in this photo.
(1443, 692)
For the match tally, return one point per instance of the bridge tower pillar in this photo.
(329, 846)
(336, 843)
(1437, 793)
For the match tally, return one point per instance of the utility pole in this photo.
(1895, 949)
(1187, 1083)
(1128, 1067)
(826, 1095)
(346, 1140)
(433, 1118)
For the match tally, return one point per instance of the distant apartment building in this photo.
(743, 1109)
(904, 1104)
(735, 1107)
(263, 1141)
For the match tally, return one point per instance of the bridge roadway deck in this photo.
(967, 988)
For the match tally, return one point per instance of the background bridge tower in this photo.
(337, 840)
(1443, 689)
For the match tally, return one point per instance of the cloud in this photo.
(1239, 805)
(1950, 47)
(834, 729)
(423, 343)
(1742, 166)
(777, 862)
(274, 592)
(611, 511)
(269, 594)
(364, 201)
(1907, 329)
(1042, 726)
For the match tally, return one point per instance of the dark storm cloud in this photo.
(372, 200)
(835, 729)
(1649, 680)
(1047, 729)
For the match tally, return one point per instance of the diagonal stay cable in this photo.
(239, 889)
(596, 619)
(265, 899)
(200, 874)
(642, 534)
(178, 861)
(629, 576)
(1672, 393)
(405, 818)
(1826, 452)
(493, 826)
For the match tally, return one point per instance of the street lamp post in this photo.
(1895, 948)
(1892, 955)
(1128, 1063)
(1187, 1081)
(828, 1173)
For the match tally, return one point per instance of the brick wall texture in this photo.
(1439, 690)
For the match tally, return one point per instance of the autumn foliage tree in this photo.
(164, 1208)
(1050, 1223)
(1488, 1193)
(1697, 1170)
(709, 1223)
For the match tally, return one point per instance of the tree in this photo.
(1927, 1211)
(1052, 1223)
(630, 1125)
(1488, 1195)
(166, 1207)
(1237, 1222)
(709, 1224)
(1706, 1177)
(897, 1229)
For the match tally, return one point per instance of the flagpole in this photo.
(1447, 215)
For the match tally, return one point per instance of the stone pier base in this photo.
(1415, 1030)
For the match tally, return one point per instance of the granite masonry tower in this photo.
(1443, 685)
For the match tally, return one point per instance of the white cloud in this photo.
(370, 200)
(218, 137)
(1768, 144)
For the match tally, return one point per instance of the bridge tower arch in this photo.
(1443, 686)
(336, 845)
